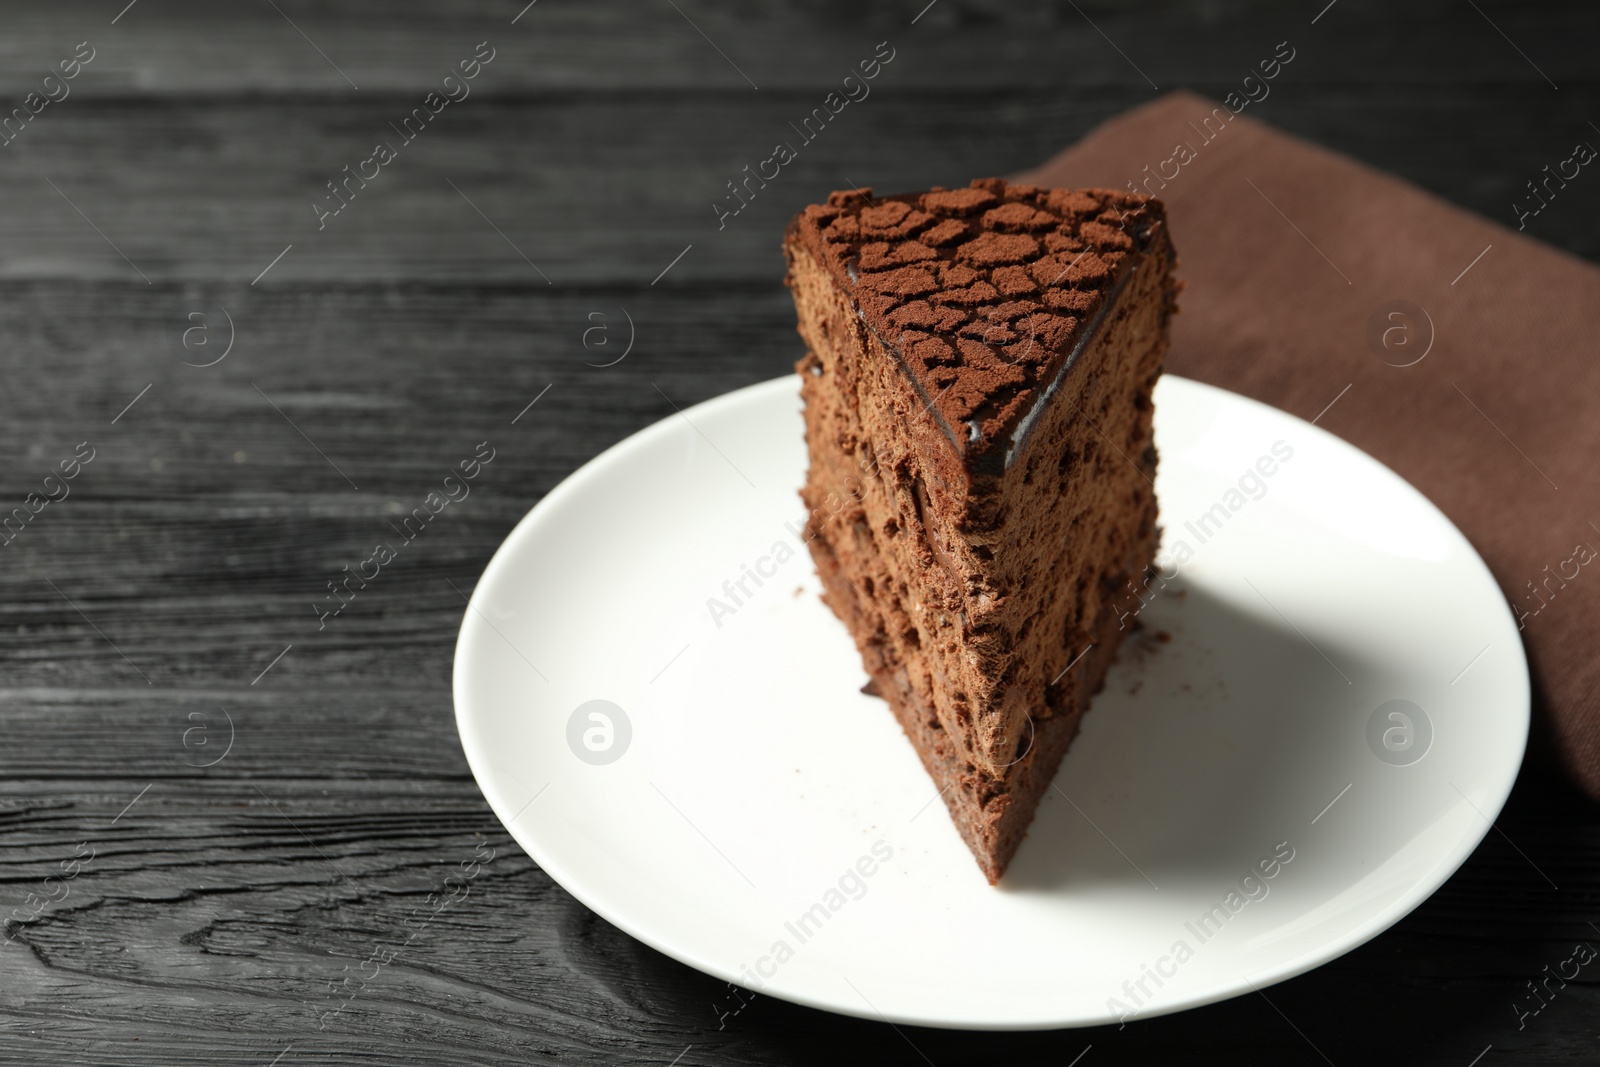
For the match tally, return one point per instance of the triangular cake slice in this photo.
(981, 487)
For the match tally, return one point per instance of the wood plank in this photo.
(192, 48)
(524, 192)
(216, 912)
(205, 529)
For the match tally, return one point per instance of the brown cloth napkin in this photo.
(1306, 272)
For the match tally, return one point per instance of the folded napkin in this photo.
(1468, 350)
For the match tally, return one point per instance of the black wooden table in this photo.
(216, 800)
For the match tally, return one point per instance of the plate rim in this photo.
(487, 777)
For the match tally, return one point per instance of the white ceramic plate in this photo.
(738, 783)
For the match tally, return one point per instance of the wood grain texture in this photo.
(224, 916)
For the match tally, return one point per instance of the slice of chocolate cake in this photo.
(977, 407)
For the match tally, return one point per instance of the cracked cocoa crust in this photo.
(985, 294)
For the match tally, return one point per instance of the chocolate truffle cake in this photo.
(977, 409)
